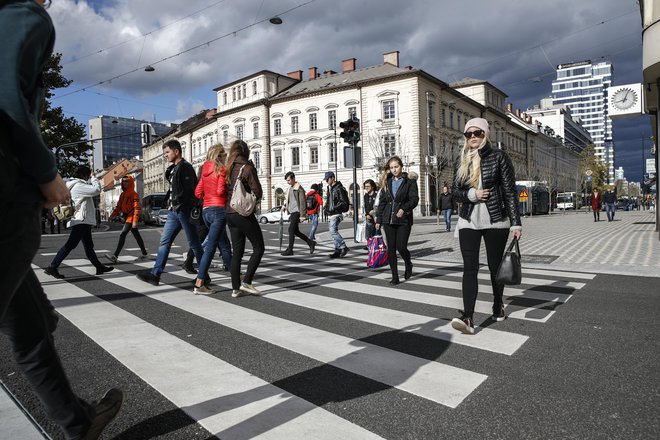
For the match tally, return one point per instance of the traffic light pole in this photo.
(355, 190)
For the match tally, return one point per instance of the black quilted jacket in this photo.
(498, 175)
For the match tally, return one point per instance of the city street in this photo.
(332, 351)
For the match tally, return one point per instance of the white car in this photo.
(272, 216)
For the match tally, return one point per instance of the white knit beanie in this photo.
(479, 123)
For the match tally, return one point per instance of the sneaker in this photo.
(52, 271)
(249, 288)
(103, 269)
(335, 254)
(148, 277)
(344, 251)
(238, 293)
(203, 290)
(463, 324)
(287, 253)
(143, 257)
(312, 246)
(189, 269)
(112, 258)
(105, 411)
(498, 313)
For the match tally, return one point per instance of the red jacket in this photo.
(129, 201)
(211, 186)
(595, 201)
(319, 202)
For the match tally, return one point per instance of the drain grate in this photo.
(538, 258)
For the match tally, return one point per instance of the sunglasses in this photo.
(475, 133)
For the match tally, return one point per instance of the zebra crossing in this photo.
(312, 311)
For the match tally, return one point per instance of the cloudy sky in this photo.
(513, 44)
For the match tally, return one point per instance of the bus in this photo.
(151, 204)
(568, 200)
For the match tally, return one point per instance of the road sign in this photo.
(588, 172)
(522, 197)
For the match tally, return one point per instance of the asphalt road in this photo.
(331, 350)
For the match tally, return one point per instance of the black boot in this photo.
(408, 273)
(52, 271)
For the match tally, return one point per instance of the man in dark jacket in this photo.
(447, 206)
(609, 198)
(335, 206)
(29, 181)
(183, 180)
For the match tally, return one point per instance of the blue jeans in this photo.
(446, 213)
(333, 225)
(609, 207)
(175, 222)
(214, 217)
(314, 218)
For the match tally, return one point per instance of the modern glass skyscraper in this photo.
(582, 87)
(126, 145)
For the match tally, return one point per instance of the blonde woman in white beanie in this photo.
(485, 186)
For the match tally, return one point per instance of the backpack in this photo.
(343, 194)
(311, 202)
(242, 202)
(65, 211)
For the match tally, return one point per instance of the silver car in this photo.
(161, 218)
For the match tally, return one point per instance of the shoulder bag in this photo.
(242, 202)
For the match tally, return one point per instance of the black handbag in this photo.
(510, 271)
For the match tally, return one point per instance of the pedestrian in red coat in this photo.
(595, 204)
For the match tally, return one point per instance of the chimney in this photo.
(391, 58)
(408, 67)
(348, 65)
(518, 112)
(296, 74)
(313, 72)
(329, 72)
(509, 107)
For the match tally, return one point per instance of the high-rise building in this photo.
(120, 139)
(582, 87)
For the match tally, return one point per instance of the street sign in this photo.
(650, 166)
(588, 172)
(522, 197)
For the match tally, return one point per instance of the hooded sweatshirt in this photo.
(129, 201)
(212, 187)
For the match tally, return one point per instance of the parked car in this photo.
(272, 216)
(161, 218)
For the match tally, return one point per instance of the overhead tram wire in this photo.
(207, 43)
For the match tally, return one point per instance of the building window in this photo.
(388, 110)
(443, 121)
(294, 124)
(295, 157)
(332, 119)
(314, 157)
(255, 130)
(225, 136)
(233, 93)
(312, 122)
(332, 152)
(352, 113)
(389, 145)
(254, 87)
(239, 131)
(278, 161)
(256, 158)
(431, 114)
(244, 91)
(431, 145)
(224, 98)
(278, 127)
(451, 119)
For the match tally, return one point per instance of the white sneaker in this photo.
(203, 290)
(143, 257)
(249, 288)
(238, 293)
(111, 257)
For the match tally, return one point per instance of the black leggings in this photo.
(470, 242)
(122, 238)
(239, 228)
(396, 237)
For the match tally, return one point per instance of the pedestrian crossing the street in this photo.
(326, 337)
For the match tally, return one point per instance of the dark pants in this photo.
(78, 233)
(28, 319)
(294, 230)
(239, 228)
(128, 227)
(396, 237)
(470, 242)
(596, 215)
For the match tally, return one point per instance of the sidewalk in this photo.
(569, 241)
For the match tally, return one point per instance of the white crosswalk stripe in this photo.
(222, 397)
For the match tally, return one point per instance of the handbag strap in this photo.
(510, 248)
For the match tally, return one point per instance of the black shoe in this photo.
(287, 253)
(463, 324)
(148, 277)
(498, 313)
(408, 273)
(225, 269)
(366, 248)
(335, 254)
(52, 271)
(394, 281)
(103, 269)
(188, 268)
(312, 246)
(105, 411)
(344, 251)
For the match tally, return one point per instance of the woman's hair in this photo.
(238, 149)
(82, 172)
(470, 167)
(217, 155)
(370, 182)
(394, 158)
(383, 175)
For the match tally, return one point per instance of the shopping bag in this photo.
(377, 251)
(359, 233)
(510, 271)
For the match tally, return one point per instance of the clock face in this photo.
(624, 98)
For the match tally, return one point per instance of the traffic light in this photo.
(351, 133)
(147, 133)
